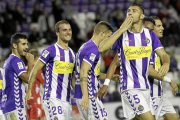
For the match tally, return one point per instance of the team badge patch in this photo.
(92, 57)
(140, 108)
(20, 65)
(55, 118)
(147, 41)
(45, 53)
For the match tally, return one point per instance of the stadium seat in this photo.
(84, 2)
(110, 6)
(92, 8)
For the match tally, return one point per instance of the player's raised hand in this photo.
(84, 103)
(126, 24)
(102, 91)
(28, 96)
(116, 78)
(174, 86)
(163, 70)
(29, 57)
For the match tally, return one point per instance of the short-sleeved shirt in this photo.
(134, 51)
(58, 72)
(89, 53)
(13, 87)
(156, 85)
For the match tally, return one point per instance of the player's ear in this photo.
(102, 34)
(142, 16)
(15, 46)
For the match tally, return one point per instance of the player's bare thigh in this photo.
(171, 116)
(144, 116)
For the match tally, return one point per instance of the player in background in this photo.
(134, 44)
(15, 73)
(35, 111)
(59, 60)
(162, 105)
(88, 63)
(1, 94)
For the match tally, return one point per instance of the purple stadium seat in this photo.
(102, 7)
(147, 12)
(111, 1)
(127, 5)
(102, 1)
(29, 11)
(2, 5)
(110, 6)
(120, 1)
(154, 11)
(48, 9)
(76, 8)
(120, 6)
(83, 8)
(47, 3)
(25, 28)
(74, 2)
(154, 4)
(92, 7)
(146, 5)
(29, 4)
(84, 2)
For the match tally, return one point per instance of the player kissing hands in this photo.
(163, 70)
(29, 57)
(102, 91)
(126, 24)
(84, 103)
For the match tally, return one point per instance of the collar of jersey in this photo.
(136, 32)
(94, 43)
(14, 55)
(61, 47)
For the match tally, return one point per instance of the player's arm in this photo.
(110, 74)
(25, 75)
(85, 67)
(165, 60)
(153, 73)
(73, 81)
(107, 43)
(38, 66)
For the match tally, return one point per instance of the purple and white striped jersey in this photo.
(58, 73)
(12, 85)
(156, 85)
(134, 51)
(1, 87)
(89, 53)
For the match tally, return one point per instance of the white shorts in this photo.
(18, 114)
(162, 105)
(95, 111)
(56, 109)
(135, 101)
(2, 115)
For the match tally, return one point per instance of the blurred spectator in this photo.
(45, 22)
(68, 9)
(36, 13)
(173, 63)
(97, 18)
(50, 36)
(34, 36)
(57, 10)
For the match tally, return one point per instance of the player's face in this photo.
(136, 13)
(22, 47)
(65, 32)
(158, 28)
(149, 25)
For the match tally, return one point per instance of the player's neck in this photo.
(16, 53)
(136, 28)
(63, 44)
(96, 40)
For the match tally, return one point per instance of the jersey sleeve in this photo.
(18, 66)
(45, 55)
(155, 41)
(91, 56)
(40, 77)
(152, 60)
(117, 44)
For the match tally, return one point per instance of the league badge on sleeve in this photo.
(45, 53)
(20, 65)
(92, 57)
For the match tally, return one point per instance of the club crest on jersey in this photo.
(20, 65)
(140, 108)
(147, 41)
(92, 57)
(45, 53)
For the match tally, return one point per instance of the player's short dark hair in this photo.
(155, 17)
(34, 52)
(16, 38)
(141, 7)
(102, 26)
(149, 19)
(58, 24)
